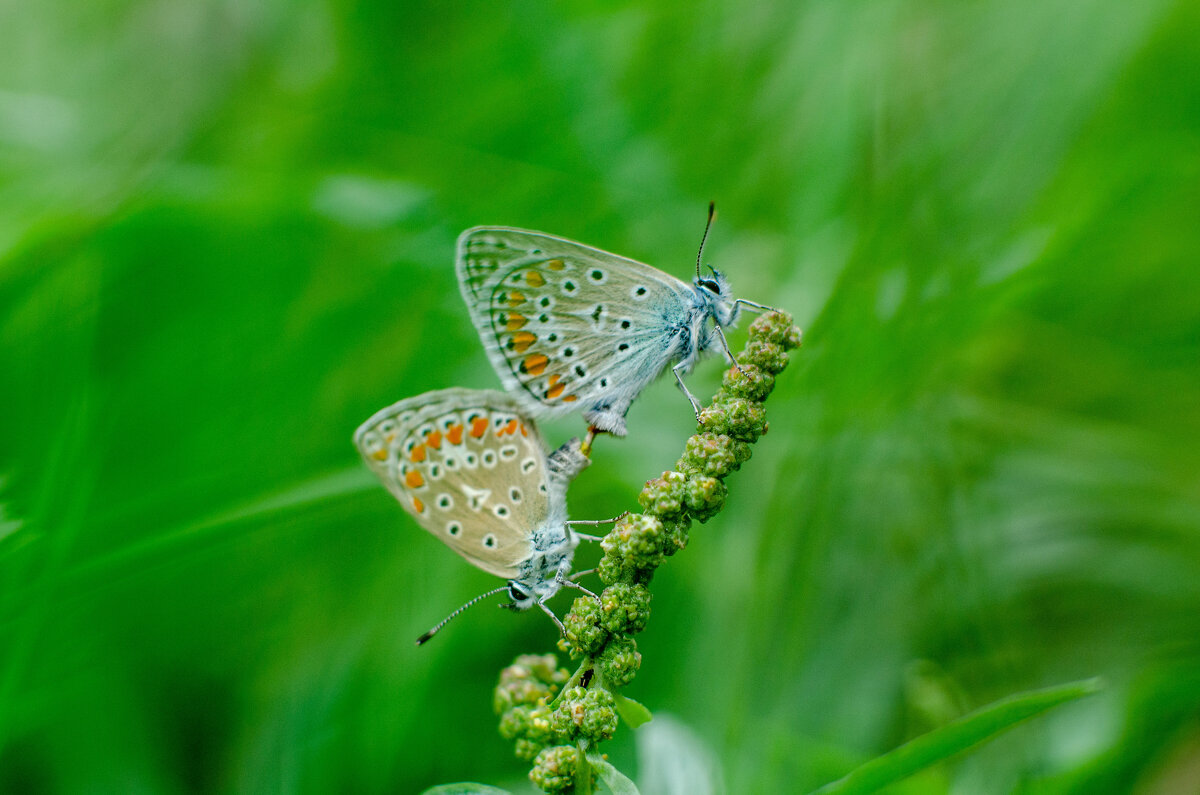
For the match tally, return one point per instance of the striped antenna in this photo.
(446, 620)
(712, 213)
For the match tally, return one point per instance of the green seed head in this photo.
(663, 496)
(554, 769)
(767, 356)
(715, 455)
(637, 540)
(705, 497)
(776, 327)
(748, 381)
(742, 419)
(586, 714)
(625, 609)
(529, 679)
(584, 633)
(620, 662)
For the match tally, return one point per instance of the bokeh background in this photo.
(226, 238)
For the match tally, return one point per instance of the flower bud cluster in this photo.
(601, 630)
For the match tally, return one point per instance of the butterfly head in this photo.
(714, 296)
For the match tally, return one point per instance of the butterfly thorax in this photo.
(540, 575)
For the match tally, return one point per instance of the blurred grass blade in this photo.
(618, 782)
(956, 737)
(632, 712)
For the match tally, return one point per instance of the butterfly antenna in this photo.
(446, 620)
(712, 213)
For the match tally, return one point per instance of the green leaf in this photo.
(633, 713)
(465, 788)
(943, 743)
(618, 782)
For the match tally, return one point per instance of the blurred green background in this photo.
(226, 238)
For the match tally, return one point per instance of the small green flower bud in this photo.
(768, 356)
(776, 327)
(554, 769)
(705, 496)
(737, 417)
(675, 534)
(590, 714)
(613, 568)
(529, 679)
(527, 749)
(637, 539)
(748, 381)
(583, 631)
(625, 609)
(663, 496)
(715, 455)
(620, 662)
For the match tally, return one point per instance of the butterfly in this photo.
(572, 328)
(475, 473)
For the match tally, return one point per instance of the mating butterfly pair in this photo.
(567, 328)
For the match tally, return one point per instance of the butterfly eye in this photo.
(710, 285)
(516, 593)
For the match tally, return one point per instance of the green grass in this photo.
(226, 238)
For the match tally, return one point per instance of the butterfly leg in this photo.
(728, 353)
(679, 379)
(561, 629)
(760, 307)
(572, 584)
(577, 575)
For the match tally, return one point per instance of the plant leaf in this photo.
(943, 743)
(618, 782)
(632, 712)
(465, 788)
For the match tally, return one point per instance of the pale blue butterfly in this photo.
(475, 473)
(572, 328)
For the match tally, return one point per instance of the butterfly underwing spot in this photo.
(413, 479)
(470, 460)
(528, 465)
(521, 341)
(545, 302)
(475, 497)
(598, 276)
(508, 452)
(453, 528)
(555, 264)
(534, 279)
(514, 494)
(626, 323)
(512, 321)
(581, 371)
(569, 286)
(450, 462)
(455, 433)
(555, 390)
(488, 458)
(639, 292)
(489, 541)
(418, 506)
(501, 511)
(534, 364)
(478, 427)
(435, 472)
(445, 502)
(416, 453)
(434, 439)
(568, 352)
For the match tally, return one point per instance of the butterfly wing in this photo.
(570, 327)
(468, 467)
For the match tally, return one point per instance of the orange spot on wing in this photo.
(380, 454)
(420, 506)
(454, 434)
(524, 430)
(535, 363)
(478, 426)
(555, 264)
(413, 479)
(515, 321)
(522, 340)
(554, 379)
(570, 398)
(555, 391)
(534, 279)
(434, 440)
(509, 427)
(417, 453)
(515, 298)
